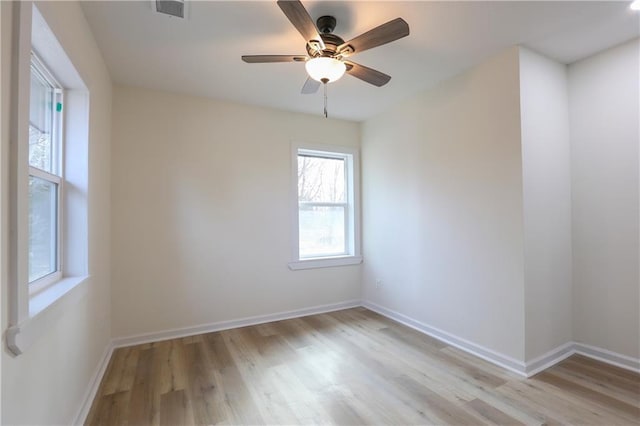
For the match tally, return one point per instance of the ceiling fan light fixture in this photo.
(325, 69)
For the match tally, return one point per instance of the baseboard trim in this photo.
(563, 352)
(226, 325)
(607, 356)
(549, 359)
(487, 354)
(94, 384)
(527, 369)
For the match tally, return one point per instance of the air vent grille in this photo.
(171, 7)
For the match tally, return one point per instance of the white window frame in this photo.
(57, 141)
(352, 256)
(33, 309)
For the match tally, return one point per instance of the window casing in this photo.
(47, 185)
(325, 206)
(46, 178)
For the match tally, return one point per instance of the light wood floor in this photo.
(348, 367)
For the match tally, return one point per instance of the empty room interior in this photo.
(320, 212)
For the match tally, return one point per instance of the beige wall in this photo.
(201, 212)
(442, 206)
(47, 383)
(604, 100)
(465, 209)
(546, 178)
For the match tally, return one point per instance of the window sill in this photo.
(44, 308)
(325, 262)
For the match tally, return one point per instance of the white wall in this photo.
(546, 183)
(604, 114)
(442, 207)
(201, 212)
(47, 383)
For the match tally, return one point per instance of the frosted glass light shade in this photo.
(329, 68)
(635, 5)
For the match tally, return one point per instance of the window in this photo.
(325, 184)
(45, 177)
(48, 181)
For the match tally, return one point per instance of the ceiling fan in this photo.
(326, 59)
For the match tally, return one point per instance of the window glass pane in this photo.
(321, 231)
(41, 147)
(42, 227)
(321, 179)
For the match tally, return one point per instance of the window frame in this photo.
(352, 255)
(31, 313)
(56, 176)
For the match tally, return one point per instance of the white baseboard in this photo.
(94, 385)
(226, 325)
(487, 354)
(527, 369)
(607, 356)
(549, 359)
(563, 352)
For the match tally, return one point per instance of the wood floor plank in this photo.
(175, 409)
(305, 405)
(233, 400)
(348, 367)
(271, 404)
(343, 411)
(607, 368)
(370, 342)
(491, 414)
(202, 385)
(606, 402)
(631, 397)
(597, 374)
(559, 407)
(383, 365)
(112, 410)
(445, 411)
(143, 404)
(122, 371)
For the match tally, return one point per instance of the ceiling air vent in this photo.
(171, 7)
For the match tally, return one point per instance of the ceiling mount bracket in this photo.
(326, 24)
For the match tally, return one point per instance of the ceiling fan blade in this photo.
(299, 17)
(383, 34)
(367, 74)
(256, 59)
(310, 86)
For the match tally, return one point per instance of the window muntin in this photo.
(325, 204)
(45, 177)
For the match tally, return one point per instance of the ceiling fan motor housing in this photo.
(326, 25)
(331, 43)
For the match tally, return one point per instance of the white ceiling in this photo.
(201, 55)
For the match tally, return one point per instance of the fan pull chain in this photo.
(325, 101)
(324, 82)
